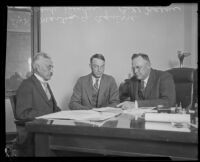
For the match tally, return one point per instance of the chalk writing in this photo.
(101, 14)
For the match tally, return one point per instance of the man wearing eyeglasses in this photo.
(149, 87)
(96, 89)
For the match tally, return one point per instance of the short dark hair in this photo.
(99, 56)
(143, 55)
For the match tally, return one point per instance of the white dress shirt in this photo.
(145, 81)
(94, 81)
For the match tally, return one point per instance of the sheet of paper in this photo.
(63, 122)
(147, 108)
(80, 115)
(140, 111)
(107, 109)
(165, 117)
(166, 126)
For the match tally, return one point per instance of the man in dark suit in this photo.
(149, 87)
(34, 98)
(95, 90)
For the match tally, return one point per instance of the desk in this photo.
(122, 136)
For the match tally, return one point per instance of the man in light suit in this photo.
(96, 89)
(34, 98)
(149, 87)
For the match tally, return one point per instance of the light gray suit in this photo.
(83, 93)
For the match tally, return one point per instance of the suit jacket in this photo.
(160, 90)
(32, 100)
(82, 94)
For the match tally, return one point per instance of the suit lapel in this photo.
(135, 86)
(89, 88)
(51, 93)
(102, 89)
(149, 84)
(53, 99)
(39, 88)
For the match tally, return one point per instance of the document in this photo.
(81, 115)
(108, 109)
(140, 111)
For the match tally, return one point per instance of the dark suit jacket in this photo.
(32, 100)
(82, 93)
(160, 90)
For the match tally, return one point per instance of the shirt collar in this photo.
(146, 80)
(40, 78)
(94, 80)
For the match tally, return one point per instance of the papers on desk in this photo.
(81, 115)
(169, 122)
(108, 109)
(140, 111)
(165, 117)
(166, 126)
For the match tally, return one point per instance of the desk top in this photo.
(122, 126)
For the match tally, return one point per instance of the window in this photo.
(22, 42)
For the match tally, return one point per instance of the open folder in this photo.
(81, 115)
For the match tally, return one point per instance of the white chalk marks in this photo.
(101, 14)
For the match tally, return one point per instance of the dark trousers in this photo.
(25, 142)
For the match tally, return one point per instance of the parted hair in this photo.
(143, 55)
(99, 56)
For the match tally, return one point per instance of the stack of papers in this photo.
(165, 117)
(169, 122)
(166, 126)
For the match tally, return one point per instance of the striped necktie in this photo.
(141, 89)
(142, 86)
(96, 84)
(47, 91)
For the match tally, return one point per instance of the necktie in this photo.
(142, 85)
(47, 91)
(96, 84)
(141, 89)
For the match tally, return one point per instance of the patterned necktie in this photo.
(142, 86)
(47, 91)
(96, 84)
(141, 89)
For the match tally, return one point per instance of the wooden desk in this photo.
(122, 136)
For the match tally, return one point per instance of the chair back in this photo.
(13, 104)
(13, 100)
(184, 79)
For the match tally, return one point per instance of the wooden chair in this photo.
(13, 145)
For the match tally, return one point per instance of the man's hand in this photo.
(127, 105)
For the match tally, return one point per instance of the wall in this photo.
(71, 35)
